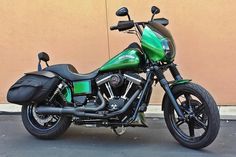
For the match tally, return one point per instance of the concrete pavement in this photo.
(156, 140)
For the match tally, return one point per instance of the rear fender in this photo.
(43, 73)
(67, 94)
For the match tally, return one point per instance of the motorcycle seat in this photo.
(69, 72)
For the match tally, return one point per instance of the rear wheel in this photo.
(202, 120)
(44, 126)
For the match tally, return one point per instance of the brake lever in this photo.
(131, 31)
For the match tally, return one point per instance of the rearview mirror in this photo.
(155, 10)
(122, 12)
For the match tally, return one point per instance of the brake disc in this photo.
(41, 119)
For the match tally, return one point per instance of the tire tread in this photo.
(212, 106)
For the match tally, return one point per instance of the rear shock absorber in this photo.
(59, 90)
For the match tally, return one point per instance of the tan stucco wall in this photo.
(75, 32)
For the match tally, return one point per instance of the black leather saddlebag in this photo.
(34, 87)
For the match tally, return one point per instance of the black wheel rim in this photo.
(41, 122)
(195, 125)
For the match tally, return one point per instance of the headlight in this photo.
(169, 49)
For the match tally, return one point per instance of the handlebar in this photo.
(113, 28)
(125, 25)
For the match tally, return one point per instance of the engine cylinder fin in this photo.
(109, 90)
(127, 90)
(103, 80)
(133, 79)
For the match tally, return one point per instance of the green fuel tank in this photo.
(129, 59)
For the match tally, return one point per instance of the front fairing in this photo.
(153, 37)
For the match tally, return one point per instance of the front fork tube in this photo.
(146, 90)
(166, 87)
(175, 73)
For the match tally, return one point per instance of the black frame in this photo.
(158, 70)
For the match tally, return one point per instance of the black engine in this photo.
(116, 80)
(118, 88)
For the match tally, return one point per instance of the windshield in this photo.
(160, 29)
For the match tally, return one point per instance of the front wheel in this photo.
(202, 119)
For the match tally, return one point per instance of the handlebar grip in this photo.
(113, 28)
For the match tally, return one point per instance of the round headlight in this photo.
(169, 49)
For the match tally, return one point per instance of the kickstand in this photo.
(119, 130)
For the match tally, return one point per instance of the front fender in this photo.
(172, 85)
(177, 82)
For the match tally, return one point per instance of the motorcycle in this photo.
(116, 95)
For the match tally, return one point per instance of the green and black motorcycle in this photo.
(116, 95)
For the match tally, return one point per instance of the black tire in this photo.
(204, 109)
(39, 131)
